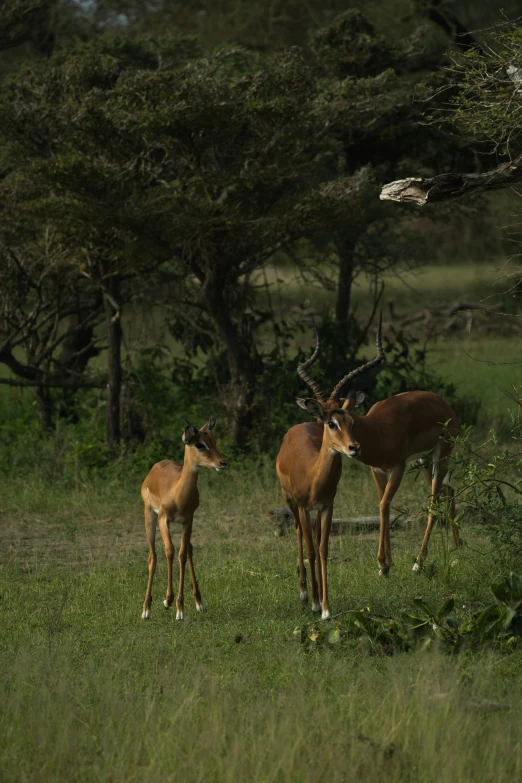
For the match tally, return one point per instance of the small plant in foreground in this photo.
(500, 623)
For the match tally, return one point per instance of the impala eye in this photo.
(332, 425)
(201, 446)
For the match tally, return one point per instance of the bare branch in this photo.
(421, 190)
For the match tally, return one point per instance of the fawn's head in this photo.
(200, 446)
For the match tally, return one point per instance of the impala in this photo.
(407, 427)
(309, 468)
(170, 494)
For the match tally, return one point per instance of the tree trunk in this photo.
(45, 404)
(240, 394)
(345, 248)
(114, 335)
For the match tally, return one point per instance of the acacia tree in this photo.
(59, 182)
(204, 170)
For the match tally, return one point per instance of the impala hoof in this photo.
(303, 595)
(325, 615)
(179, 615)
(316, 606)
(200, 607)
(384, 570)
(416, 568)
(145, 614)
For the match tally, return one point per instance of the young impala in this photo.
(309, 468)
(170, 494)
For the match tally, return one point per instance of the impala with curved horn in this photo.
(170, 494)
(309, 468)
(398, 430)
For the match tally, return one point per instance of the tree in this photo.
(204, 170)
(50, 315)
(368, 88)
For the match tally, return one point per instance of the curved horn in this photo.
(302, 369)
(378, 359)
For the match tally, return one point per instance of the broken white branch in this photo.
(421, 190)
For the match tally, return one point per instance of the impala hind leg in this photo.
(306, 527)
(195, 587)
(439, 472)
(450, 493)
(386, 489)
(151, 519)
(457, 540)
(169, 554)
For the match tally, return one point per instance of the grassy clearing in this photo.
(91, 692)
(479, 363)
(429, 285)
(482, 367)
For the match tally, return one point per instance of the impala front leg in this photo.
(326, 523)
(317, 544)
(384, 552)
(301, 570)
(306, 527)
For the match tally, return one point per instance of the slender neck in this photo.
(325, 460)
(188, 479)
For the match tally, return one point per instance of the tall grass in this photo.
(408, 720)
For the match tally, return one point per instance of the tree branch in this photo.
(420, 190)
(60, 382)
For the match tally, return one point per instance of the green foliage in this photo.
(486, 100)
(488, 477)
(350, 46)
(499, 624)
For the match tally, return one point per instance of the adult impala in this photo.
(309, 468)
(170, 494)
(401, 429)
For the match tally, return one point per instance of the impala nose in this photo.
(222, 465)
(354, 451)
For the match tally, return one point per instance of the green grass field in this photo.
(91, 692)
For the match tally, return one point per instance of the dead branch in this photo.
(421, 190)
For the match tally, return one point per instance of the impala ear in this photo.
(190, 433)
(359, 398)
(210, 424)
(353, 399)
(313, 407)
